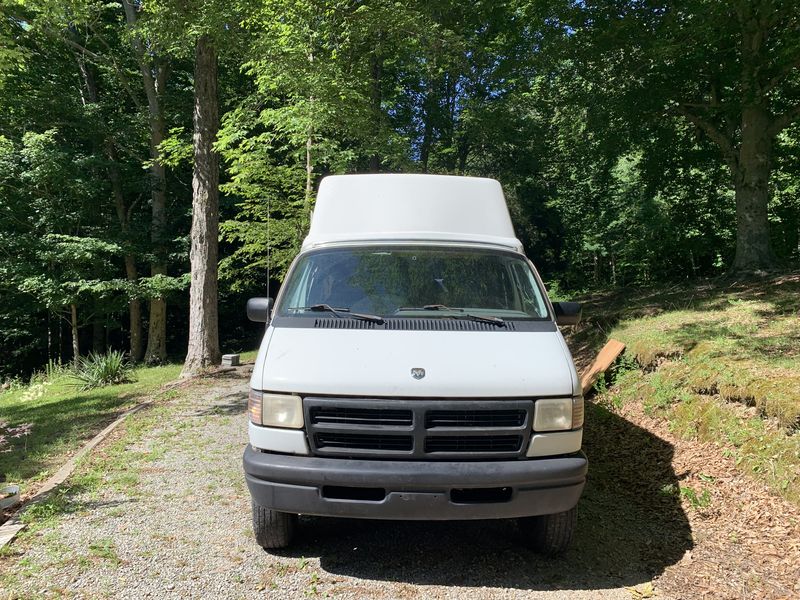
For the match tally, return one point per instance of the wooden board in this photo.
(604, 360)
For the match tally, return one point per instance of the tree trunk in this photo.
(131, 272)
(376, 71)
(157, 331)
(427, 133)
(156, 352)
(203, 317)
(98, 336)
(153, 80)
(751, 183)
(134, 312)
(309, 181)
(76, 350)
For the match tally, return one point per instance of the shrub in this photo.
(98, 370)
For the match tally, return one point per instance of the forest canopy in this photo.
(637, 142)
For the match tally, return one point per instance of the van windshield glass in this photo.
(414, 281)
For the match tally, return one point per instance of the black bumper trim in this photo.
(415, 489)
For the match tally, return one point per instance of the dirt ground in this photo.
(178, 526)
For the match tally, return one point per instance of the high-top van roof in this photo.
(352, 208)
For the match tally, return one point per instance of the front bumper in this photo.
(416, 490)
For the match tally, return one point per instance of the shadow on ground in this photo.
(233, 403)
(631, 528)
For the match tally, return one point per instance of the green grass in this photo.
(745, 351)
(720, 362)
(249, 356)
(64, 417)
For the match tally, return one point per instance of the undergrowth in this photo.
(98, 370)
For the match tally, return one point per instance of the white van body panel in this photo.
(432, 208)
(462, 364)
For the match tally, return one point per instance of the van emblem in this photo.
(417, 373)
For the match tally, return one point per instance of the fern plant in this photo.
(98, 370)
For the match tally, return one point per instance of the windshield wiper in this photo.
(462, 315)
(342, 312)
(429, 307)
(470, 317)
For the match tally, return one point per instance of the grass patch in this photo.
(105, 549)
(64, 417)
(720, 362)
(249, 356)
(740, 341)
(745, 351)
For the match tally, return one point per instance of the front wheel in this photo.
(273, 529)
(549, 534)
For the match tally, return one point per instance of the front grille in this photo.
(475, 418)
(342, 415)
(469, 443)
(360, 441)
(418, 429)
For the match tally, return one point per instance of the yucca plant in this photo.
(98, 370)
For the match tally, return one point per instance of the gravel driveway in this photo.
(169, 517)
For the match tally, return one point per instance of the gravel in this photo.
(183, 530)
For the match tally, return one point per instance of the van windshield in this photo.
(414, 281)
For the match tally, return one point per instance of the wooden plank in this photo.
(604, 360)
(9, 530)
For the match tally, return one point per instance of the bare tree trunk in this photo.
(309, 179)
(153, 79)
(203, 316)
(751, 183)
(427, 134)
(131, 272)
(306, 220)
(376, 71)
(134, 312)
(98, 336)
(76, 350)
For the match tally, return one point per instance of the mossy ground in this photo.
(721, 362)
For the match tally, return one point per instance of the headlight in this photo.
(553, 414)
(275, 410)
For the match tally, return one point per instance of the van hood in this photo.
(379, 363)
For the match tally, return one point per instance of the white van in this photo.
(412, 368)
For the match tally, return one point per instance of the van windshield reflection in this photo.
(419, 281)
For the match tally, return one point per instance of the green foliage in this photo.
(99, 370)
(581, 109)
(697, 501)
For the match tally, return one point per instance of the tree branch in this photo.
(783, 74)
(108, 63)
(718, 137)
(781, 122)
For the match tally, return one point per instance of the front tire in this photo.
(273, 529)
(549, 534)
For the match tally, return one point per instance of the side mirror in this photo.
(567, 313)
(259, 309)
